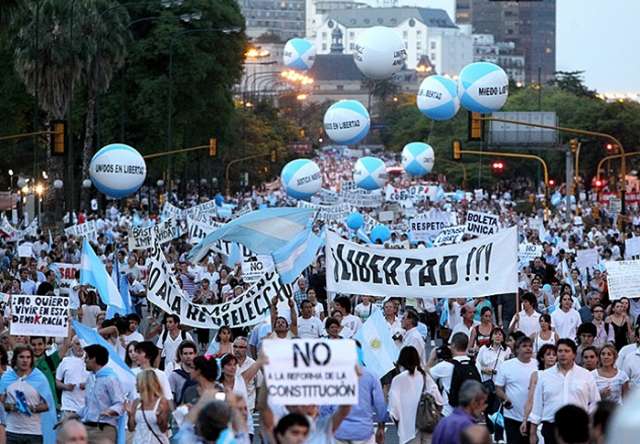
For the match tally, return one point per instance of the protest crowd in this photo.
(442, 316)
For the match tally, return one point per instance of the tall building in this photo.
(504, 54)
(281, 19)
(427, 33)
(530, 25)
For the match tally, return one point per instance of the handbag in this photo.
(492, 401)
(428, 413)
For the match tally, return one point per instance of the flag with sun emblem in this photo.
(379, 352)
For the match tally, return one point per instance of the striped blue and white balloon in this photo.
(438, 98)
(369, 173)
(299, 54)
(117, 170)
(301, 178)
(483, 87)
(417, 158)
(347, 122)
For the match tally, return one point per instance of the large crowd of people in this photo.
(548, 363)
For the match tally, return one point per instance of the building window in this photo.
(432, 45)
(352, 35)
(340, 87)
(351, 45)
(405, 35)
(432, 56)
(324, 46)
(324, 36)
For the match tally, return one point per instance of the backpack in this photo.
(165, 334)
(429, 413)
(462, 371)
(188, 382)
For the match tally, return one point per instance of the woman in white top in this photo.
(546, 335)
(490, 356)
(149, 415)
(547, 357)
(404, 396)
(612, 383)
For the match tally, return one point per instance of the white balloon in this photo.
(117, 170)
(379, 52)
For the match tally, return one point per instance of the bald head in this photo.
(72, 432)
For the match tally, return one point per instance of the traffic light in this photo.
(456, 147)
(611, 148)
(58, 137)
(497, 167)
(475, 127)
(574, 144)
(213, 147)
(274, 155)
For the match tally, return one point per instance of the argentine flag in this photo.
(92, 272)
(292, 259)
(379, 352)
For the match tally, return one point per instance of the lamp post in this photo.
(57, 186)
(174, 36)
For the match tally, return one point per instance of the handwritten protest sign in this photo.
(632, 248)
(527, 252)
(449, 235)
(481, 224)
(623, 279)
(67, 275)
(141, 238)
(587, 260)
(428, 225)
(86, 229)
(254, 267)
(33, 315)
(311, 371)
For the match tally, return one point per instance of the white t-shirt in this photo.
(529, 324)
(72, 370)
(135, 336)
(566, 324)
(514, 376)
(310, 328)
(442, 374)
(162, 378)
(352, 322)
(318, 310)
(170, 345)
(615, 384)
(364, 311)
(18, 422)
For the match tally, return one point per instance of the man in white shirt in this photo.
(564, 383)
(171, 337)
(240, 345)
(343, 305)
(146, 355)
(393, 322)
(467, 312)
(629, 360)
(527, 320)
(412, 337)
(71, 377)
(566, 320)
(512, 387)
(309, 326)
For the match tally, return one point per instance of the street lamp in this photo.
(58, 184)
(86, 183)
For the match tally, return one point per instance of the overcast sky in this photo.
(600, 37)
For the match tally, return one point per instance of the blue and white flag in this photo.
(123, 287)
(92, 272)
(292, 259)
(262, 231)
(379, 352)
(89, 336)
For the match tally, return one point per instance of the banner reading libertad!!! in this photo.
(249, 308)
(481, 267)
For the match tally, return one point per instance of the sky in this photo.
(600, 37)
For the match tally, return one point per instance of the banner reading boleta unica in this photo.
(476, 268)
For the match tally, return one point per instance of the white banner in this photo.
(85, 229)
(169, 210)
(414, 193)
(39, 315)
(67, 275)
(527, 252)
(449, 235)
(250, 308)
(141, 238)
(254, 267)
(623, 279)
(481, 224)
(311, 371)
(358, 197)
(587, 260)
(428, 225)
(329, 214)
(481, 267)
(632, 248)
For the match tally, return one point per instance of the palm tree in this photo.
(104, 27)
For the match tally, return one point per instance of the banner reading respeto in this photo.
(476, 268)
(250, 308)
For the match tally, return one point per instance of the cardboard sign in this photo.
(254, 267)
(449, 235)
(632, 248)
(311, 371)
(528, 252)
(86, 229)
(428, 225)
(587, 260)
(141, 238)
(39, 315)
(414, 193)
(623, 279)
(481, 224)
(67, 275)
